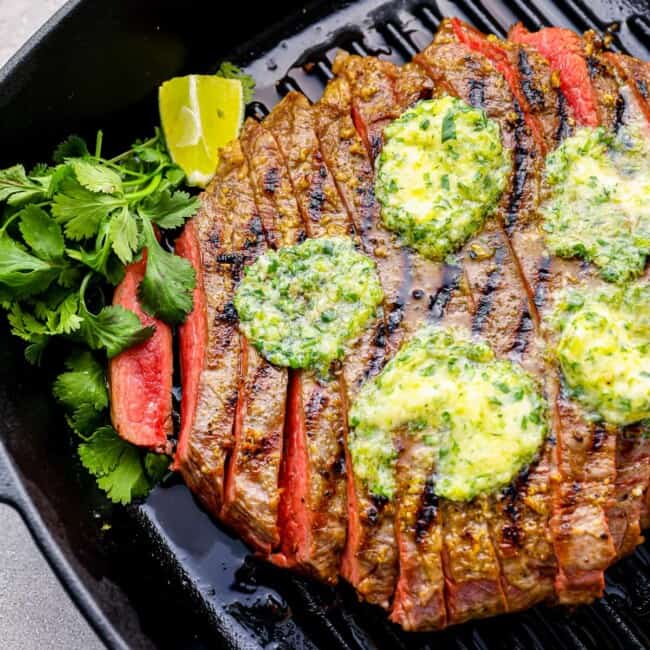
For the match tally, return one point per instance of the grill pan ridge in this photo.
(163, 574)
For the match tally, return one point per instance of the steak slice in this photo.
(580, 499)
(633, 474)
(565, 52)
(370, 560)
(424, 531)
(586, 76)
(635, 75)
(313, 503)
(251, 494)
(207, 430)
(140, 378)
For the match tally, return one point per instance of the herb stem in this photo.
(98, 144)
(145, 191)
(126, 154)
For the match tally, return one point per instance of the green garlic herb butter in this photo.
(598, 206)
(299, 305)
(604, 350)
(482, 417)
(441, 171)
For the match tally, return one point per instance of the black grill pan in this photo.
(163, 574)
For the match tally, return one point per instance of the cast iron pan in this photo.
(162, 574)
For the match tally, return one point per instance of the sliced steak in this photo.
(140, 378)
(633, 474)
(579, 517)
(192, 339)
(251, 494)
(207, 432)
(313, 506)
(564, 50)
(370, 560)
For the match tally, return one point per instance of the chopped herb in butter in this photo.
(482, 417)
(441, 172)
(598, 206)
(301, 304)
(604, 350)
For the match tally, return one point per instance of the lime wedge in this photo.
(199, 115)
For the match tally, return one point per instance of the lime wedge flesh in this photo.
(199, 115)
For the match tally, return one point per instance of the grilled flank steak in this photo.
(269, 450)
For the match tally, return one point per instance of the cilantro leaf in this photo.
(22, 273)
(166, 290)
(100, 258)
(71, 147)
(82, 391)
(230, 71)
(169, 209)
(123, 231)
(41, 233)
(16, 188)
(156, 466)
(96, 177)
(34, 351)
(116, 464)
(80, 210)
(24, 324)
(114, 328)
(64, 319)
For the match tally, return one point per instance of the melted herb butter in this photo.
(482, 417)
(604, 350)
(441, 171)
(598, 206)
(299, 305)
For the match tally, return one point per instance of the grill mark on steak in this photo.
(476, 93)
(450, 282)
(619, 113)
(543, 277)
(533, 94)
(520, 173)
(522, 336)
(633, 77)
(564, 129)
(486, 297)
(427, 513)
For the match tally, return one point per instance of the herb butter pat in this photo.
(441, 172)
(482, 418)
(301, 304)
(598, 206)
(604, 351)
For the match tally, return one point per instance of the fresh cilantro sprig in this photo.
(230, 71)
(77, 223)
(122, 470)
(67, 231)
